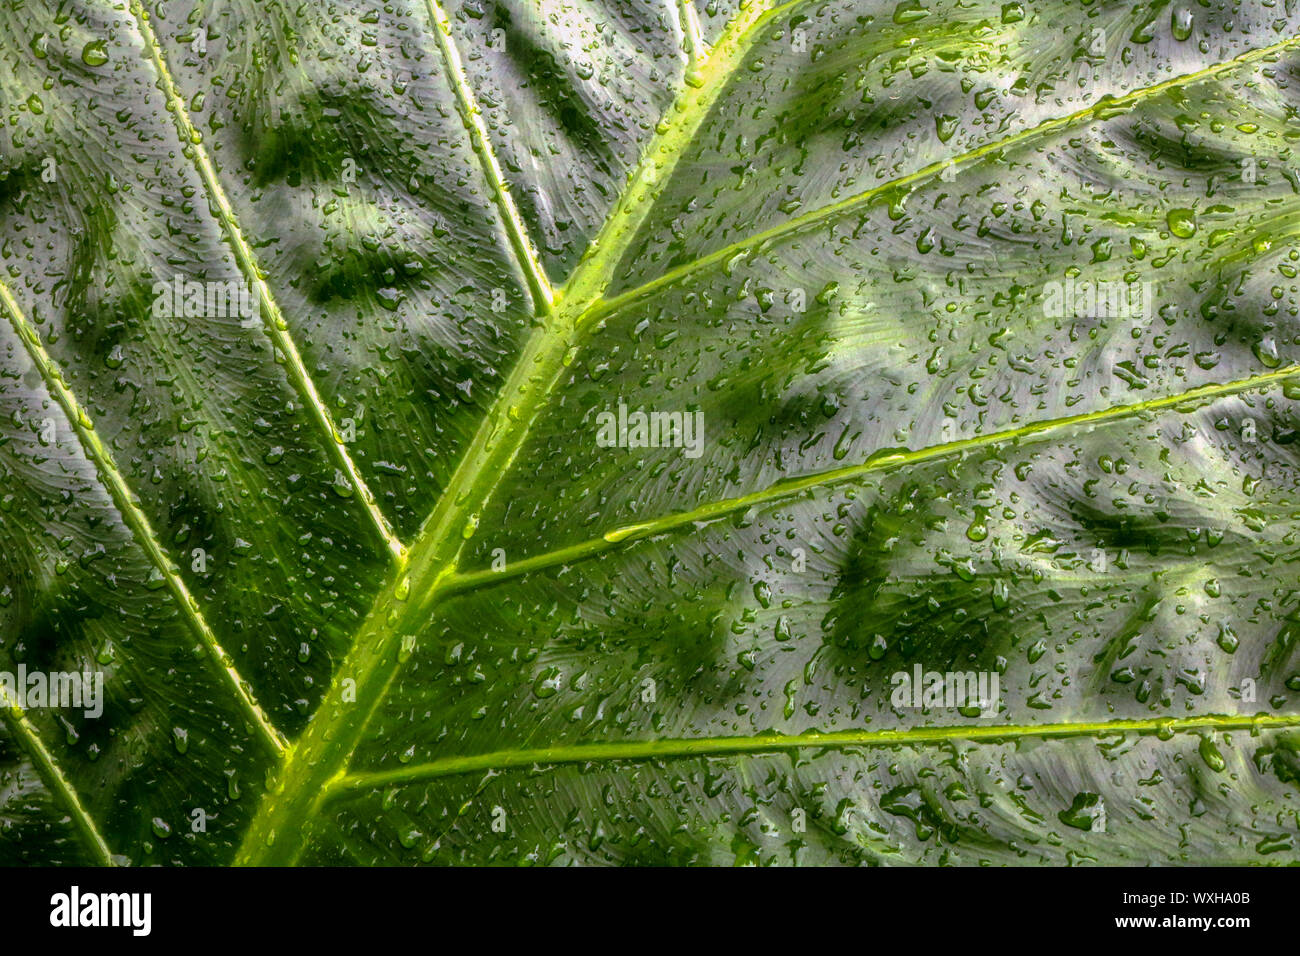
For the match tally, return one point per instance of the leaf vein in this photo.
(55, 780)
(696, 49)
(471, 114)
(119, 491)
(401, 610)
(773, 743)
(792, 486)
(272, 317)
(1106, 107)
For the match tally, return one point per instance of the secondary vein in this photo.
(775, 743)
(134, 517)
(273, 320)
(1105, 108)
(790, 487)
(693, 44)
(539, 285)
(54, 779)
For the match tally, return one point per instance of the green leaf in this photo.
(987, 313)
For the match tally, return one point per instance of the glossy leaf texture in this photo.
(985, 319)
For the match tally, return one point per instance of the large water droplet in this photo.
(1182, 223)
(94, 53)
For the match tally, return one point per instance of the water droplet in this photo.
(547, 683)
(791, 688)
(1211, 755)
(1266, 351)
(1182, 223)
(909, 11)
(878, 647)
(1085, 811)
(342, 487)
(94, 53)
(1228, 639)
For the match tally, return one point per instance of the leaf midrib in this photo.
(321, 753)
